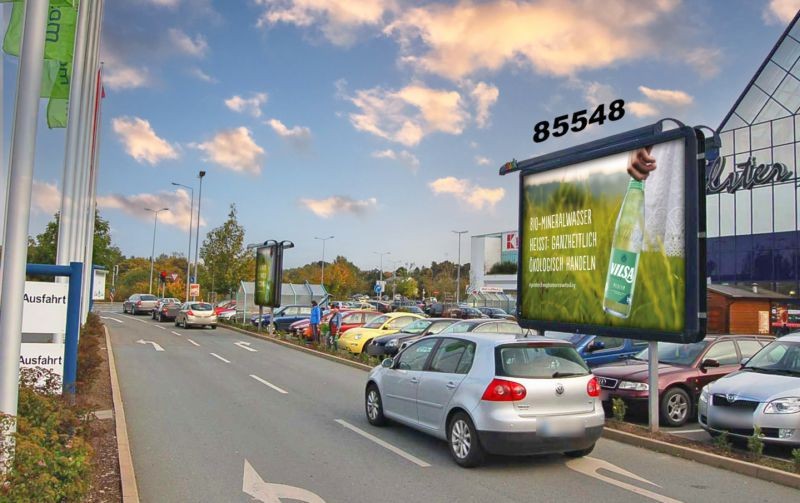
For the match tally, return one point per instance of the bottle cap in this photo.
(635, 184)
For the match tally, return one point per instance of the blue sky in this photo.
(382, 122)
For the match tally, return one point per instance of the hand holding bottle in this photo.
(641, 163)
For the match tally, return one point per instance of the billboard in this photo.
(609, 238)
(269, 274)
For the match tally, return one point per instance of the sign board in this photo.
(49, 356)
(377, 289)
(194, 290)
(99, 284)
(510, 241)
(45, 308)
(266, 257)
(174, 276)
(763, 322)
(604, 253)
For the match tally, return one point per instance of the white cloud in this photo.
(405, 157)
(338, 19)
(45, 197)
(333, 205)
(484, 95)
(141, 142)
(641, 109)
(482, 161)
(195, 47)
(780, 11)
(250, 106)
(119, 76)
(178, 202)
(201, 75)
(234, 149)
(594, 92)
(473, 144)
(465, 191)
(704, 60)
(558, 37)
(667, 96)
(165, 3)
(407, 115)
(299, 136)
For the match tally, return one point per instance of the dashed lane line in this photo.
(110, 318)
(196, 344)
(386, 445)
(176, 333)
(267, 383)
(159, 326)
(215, 355)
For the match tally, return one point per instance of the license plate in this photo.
(559, 428)
(604, 396)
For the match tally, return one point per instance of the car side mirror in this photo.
(595, 346)
(744, 361)
(708, 363)
(387, 363)
(385, 328)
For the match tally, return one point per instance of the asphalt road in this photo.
(212, 418)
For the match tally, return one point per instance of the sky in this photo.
(380, 122)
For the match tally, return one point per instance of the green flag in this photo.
(57, 112)
(59, 34)
(56, 77)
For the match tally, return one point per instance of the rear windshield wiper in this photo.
(567, 374)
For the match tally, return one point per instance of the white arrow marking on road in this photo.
(385, 445)
(262, 381)
(196, 344)
(590, 466)
(176, 333)
(245, 345)
(215, 355)
(110, 318)
(155, 346)
(159, 326)
(255, 486)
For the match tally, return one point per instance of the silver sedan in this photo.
(496, 394)
(765, 393)
(196, 314)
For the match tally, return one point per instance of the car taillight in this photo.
(500, 390)
(593, 387)
(138, 302)
(190, 313)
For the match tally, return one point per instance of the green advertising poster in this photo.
(601, 247)
(265, 266)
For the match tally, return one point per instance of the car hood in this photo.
(392, 335)
(300, 323)
(756, 385)
(367, 332)
(635, 370)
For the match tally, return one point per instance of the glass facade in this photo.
(752, 222)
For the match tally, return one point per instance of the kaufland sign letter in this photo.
(510, 241)
(45, 308)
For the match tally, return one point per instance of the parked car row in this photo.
(186, 314)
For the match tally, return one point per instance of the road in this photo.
(213, 418)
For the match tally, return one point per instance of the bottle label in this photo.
(621, 275)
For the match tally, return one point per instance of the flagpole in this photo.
(18, 206)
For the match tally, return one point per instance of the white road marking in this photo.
(589, 466)
(113, 319)
(196, 344)
(255, 486)
(385, 445)
(176, 333)
(133, 318)
(155, 346)
(159, 326)
(262, 381)
(215, 355)
(245, 345)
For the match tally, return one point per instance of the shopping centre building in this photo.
(752, 206)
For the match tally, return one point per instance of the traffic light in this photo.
(163, 276)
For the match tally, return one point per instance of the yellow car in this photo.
(356, 339)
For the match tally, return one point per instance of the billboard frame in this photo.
(695, 225)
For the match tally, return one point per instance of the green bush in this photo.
(51, 456)
(755, 444)
(619, 408)
(796, 459)
(89, 357)
(723, 442)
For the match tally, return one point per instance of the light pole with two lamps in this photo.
(322, 280)
(458, 278)
(188, 253)
(153, 253)
(197, 233)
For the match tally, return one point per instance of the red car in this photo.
(350, 319)
(225, 305)
(682, 372)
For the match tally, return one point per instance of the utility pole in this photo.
(381, 254)
(458, 278)
(188, 253)
(322, 280)
(153, 253)
(197, 233)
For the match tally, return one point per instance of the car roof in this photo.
(503, 338)
(794, 337)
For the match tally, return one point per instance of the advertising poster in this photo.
(265, 267)
(600, 247)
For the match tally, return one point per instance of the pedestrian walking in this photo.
(316, 316)
(335, 325)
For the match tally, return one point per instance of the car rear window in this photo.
(538, 361)
(201, 307)
(148, 297)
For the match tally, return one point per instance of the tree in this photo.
(408, 288)
(224, 256)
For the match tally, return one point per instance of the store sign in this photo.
(747, 175)
(194, 290)
(99, 284)
(44, 308)
(49, 356)
(510, 241)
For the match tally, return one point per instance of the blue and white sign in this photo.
(377, 288)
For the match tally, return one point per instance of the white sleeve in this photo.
(664, 201)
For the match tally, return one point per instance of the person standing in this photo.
(335, 325)
(316, 316)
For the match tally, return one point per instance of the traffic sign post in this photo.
(194, 290)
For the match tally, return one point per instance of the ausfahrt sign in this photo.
(44, 308)
(49, 356)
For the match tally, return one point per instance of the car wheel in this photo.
(213, 327)
(676, 407)
(374, 406)
(580, 453)
(462, 437)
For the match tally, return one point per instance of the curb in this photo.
(318, 354)
(706, 458)
(130, 493)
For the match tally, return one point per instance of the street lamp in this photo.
(188, 253)
(322, 280)
(458, 280)
(381, 254)
(197, 233)
(153, 253)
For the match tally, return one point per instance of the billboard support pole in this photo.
(652, 368)
(260, 317)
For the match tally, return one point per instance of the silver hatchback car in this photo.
(764, 393)
(196, 314)
(490, 393)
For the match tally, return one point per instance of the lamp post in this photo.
(381, 254)
(322, 280)
(153, 252)
(197, 233)
(458, 277)
(189, 252)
